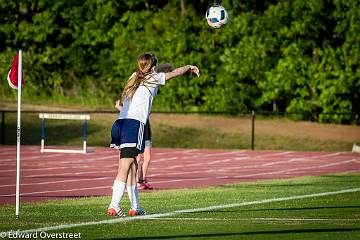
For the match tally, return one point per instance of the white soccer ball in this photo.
(217, 16)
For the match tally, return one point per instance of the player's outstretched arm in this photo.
(181, 71)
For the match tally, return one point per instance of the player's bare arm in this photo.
(181, 71)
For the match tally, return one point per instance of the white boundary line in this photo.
(168, 214)
(256, 219)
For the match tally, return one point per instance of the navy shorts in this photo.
(128, 136)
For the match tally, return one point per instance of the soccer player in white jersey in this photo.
(128, 131)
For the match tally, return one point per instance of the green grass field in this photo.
(210, 214)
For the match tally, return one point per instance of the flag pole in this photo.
(18, 137)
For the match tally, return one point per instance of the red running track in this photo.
(63, 175)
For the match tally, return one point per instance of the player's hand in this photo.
(194, 69)
(118, 105)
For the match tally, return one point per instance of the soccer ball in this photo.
(217, 16)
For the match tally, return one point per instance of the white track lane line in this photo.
(190, 179)
(31, 158)
(64, 167)
(303, 168)
(63, 156)
(208, 171)
(99, 187)
(52, 175)
(87, 160)
(60, 181)
(286, 171)
(220, 177)
(192, 210)
(257, 157)
(244, 167)
(57, 191)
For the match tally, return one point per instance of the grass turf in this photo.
(325, 217)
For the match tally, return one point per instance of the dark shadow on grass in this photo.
(272, 209)
(288, 185)
(305, 208)
(337, 176)
(220, 235)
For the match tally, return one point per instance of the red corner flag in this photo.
(13, 73)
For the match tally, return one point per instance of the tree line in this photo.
(286, 55)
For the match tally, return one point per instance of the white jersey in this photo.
(140, 105)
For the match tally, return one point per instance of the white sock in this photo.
(117, 193)
(133, 197)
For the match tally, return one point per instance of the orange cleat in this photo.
(115, 212)
(137, 212)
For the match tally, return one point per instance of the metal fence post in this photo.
(85, 128)
(252, 130)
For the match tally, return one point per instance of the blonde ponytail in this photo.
(145, 64)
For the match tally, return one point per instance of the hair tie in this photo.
(139, 74)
